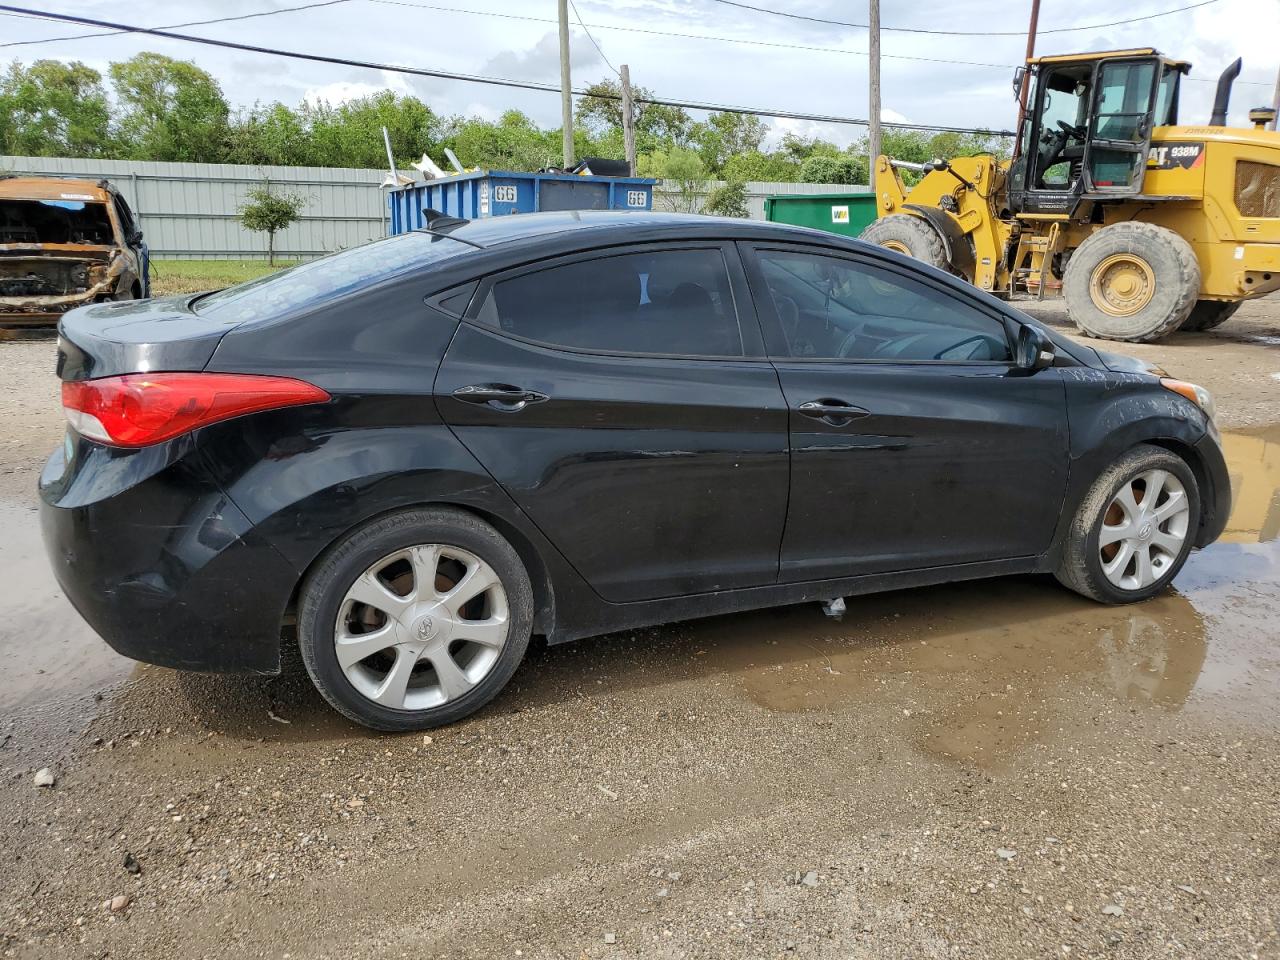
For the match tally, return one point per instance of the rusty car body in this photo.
(65, 243)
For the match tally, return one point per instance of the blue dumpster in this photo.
(498, 193)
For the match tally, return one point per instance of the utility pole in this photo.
(566, 88)
(873, 122)
(1025, 87)
(628, 121)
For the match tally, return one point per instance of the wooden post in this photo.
(628, 121)
(873, 121)
(566, 88)
(1025, 87)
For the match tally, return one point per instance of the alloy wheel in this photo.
(421, 627)
(1144, 529)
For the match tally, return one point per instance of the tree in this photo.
(729, 200)
(755, 165)
(513, 143)
(272, 134)
(684, 169)
(172, 110)
(267, 212)
(658, 127)
(54, 109)
(350, 134)
(724, 135)
(841, 168)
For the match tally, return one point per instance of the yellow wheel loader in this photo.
(1143, 225)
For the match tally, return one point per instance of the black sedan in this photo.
(425, 450)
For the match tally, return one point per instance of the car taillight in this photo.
(139, 409)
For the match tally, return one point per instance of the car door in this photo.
(624, 402)
(916, 442)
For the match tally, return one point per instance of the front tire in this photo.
(415, 620)
(904, 233)
(1134, 529)
(1135, 282)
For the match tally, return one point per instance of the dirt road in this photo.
(988, 770)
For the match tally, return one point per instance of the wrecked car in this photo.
(65, 243)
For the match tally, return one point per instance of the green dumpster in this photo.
(844, 213)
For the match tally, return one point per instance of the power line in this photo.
(591, 38)
(733, 40)
(169, 26)
(687, 36)
(473, 78)
(960, 33)
(587, 27)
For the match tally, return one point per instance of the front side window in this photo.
(836, 309)
(673, 302)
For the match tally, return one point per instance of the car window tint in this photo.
(831, 308)
(328, 278)
(675, 302)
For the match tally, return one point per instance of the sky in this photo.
(777, 62)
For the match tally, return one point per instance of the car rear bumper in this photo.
(1216, 499)
(160, 562)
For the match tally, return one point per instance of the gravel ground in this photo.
(988, 770)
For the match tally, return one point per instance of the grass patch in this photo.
(170, 277)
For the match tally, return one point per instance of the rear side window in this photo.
(836, 309)
(319, 281)
(673, 302)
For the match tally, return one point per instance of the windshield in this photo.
(319, 281)
(55, 221)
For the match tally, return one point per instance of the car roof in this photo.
(620, 226)
(52, 188)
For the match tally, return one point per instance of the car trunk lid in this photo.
(136, 336)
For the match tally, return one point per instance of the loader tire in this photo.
(1207, 314)
(1131, 281)
(913, 236)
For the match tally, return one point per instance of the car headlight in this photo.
(1197, 394)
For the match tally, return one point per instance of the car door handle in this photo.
(499, 396)
(835, 412)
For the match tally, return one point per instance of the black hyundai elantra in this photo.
(425, 450)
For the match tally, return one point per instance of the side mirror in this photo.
(1034, 351)
(1018, 74)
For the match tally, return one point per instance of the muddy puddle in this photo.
(51, 663)
(977, 668)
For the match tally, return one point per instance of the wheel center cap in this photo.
(426, 628)
(1144, 532)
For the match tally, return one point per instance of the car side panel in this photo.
(1110, 413)
(654, 476)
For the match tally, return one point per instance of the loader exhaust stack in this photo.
(1222, 99)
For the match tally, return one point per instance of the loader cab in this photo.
(1088, 128)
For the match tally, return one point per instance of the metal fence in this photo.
(188, 210)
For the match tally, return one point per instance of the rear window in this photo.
(55, 221)
(329, 278)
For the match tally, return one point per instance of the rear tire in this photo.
(1135, 282)
(1207, 314)
(380, 637)
(911, 235)
(1165, 531)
